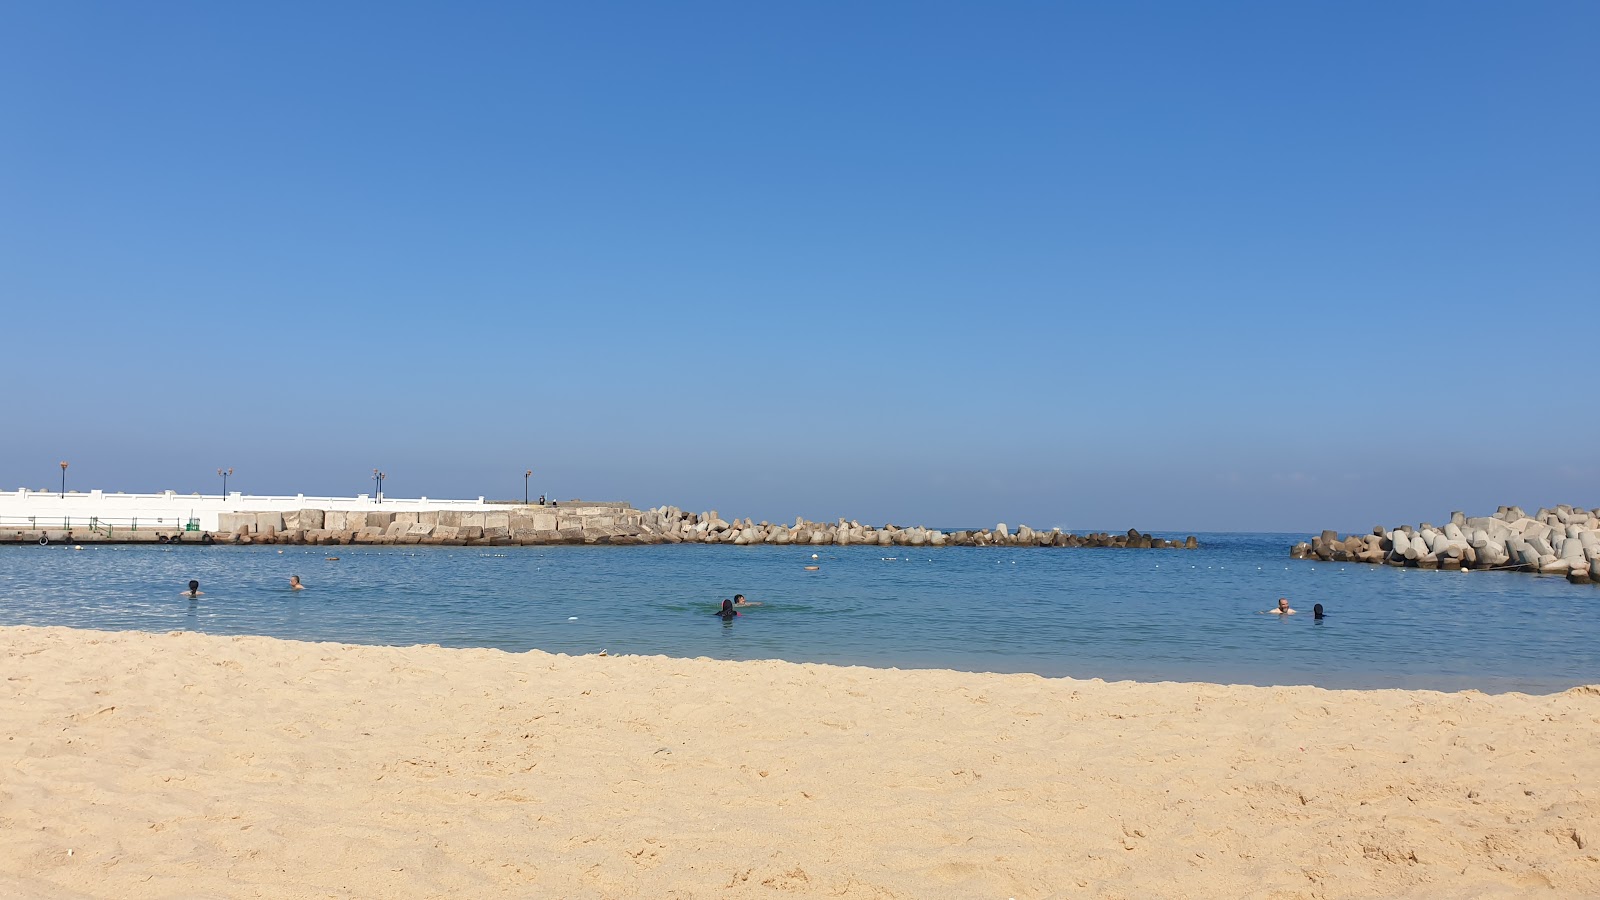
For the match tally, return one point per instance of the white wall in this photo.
(42, 509)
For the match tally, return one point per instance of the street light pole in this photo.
(377, 481)
(225, 475)
(63, 480)
(525, 476)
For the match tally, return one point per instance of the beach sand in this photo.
(142, 765)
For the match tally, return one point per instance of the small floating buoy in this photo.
(78, 547)
(814, 556)
(572, 618)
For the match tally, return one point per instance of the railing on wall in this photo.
(99, 524)
(234, 500)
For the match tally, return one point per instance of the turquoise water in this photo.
(1114, 614)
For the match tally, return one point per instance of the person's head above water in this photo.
(727, 611)
(1283, 604)
(294, 583)
(194, 588)
(1316, 611)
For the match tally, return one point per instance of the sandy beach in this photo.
(144, 765)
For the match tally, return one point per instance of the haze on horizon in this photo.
(1241, 266)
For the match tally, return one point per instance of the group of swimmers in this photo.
(1284, 609)
(194, 587)
(730, 608)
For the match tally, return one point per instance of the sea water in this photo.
(1194, 615)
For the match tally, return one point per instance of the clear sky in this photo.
(1248, 266)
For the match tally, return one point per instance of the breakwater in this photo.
(1563, 541)
(669, 524)
(566, 522)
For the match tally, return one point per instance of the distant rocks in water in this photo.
(1560, 541)
(673, 525)
(580, 522)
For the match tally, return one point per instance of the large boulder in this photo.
(1493, 554)
(1552, 565)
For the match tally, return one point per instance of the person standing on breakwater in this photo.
(1283, 608)
(194, 589)
(727, 612)
(294, 583)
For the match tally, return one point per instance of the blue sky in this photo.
(1158, 265)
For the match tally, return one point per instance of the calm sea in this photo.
(1113, 614)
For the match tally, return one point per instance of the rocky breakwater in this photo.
(570, 522)
(596, 523)
(673, 525)
(1560, 541)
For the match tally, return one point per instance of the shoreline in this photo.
(191, 763)
(1506, 685)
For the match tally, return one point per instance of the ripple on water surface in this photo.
(1144, 614)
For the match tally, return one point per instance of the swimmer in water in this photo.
(727, 612)
(294, 583)
(1283, 608)
(739, 600)
(1316, 612)
(194, 589)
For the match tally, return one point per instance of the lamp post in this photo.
(63, 480)
(377, 482)
(224, 473)
(525, 476)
